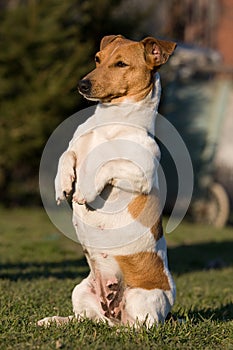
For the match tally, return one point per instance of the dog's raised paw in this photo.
(66, 176)
(64, 186)
(78, 198)
(88, 197)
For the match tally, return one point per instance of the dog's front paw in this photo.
(66, 176)
(81, 198)
(78, 198)
(64, 185)
(87, 191)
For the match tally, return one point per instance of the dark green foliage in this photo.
(45, 48)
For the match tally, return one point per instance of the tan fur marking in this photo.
(146, 210)
(157, 229)
(143, 270)
(137, 205)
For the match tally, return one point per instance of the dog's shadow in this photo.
(198, 257)
(182, 259)
(203, 257)
(34, 270)
(223, 313)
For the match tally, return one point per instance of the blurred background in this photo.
(47, 46)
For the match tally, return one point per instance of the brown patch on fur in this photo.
(137, 205)
(146, 210)
(157, 229)
(143, 270)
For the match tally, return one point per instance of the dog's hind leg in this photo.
(85, 305)
(86, 302)
(147, 307)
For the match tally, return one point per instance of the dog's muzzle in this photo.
(84, 86)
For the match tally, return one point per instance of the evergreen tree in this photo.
(45, 48)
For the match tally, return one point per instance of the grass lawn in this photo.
(39, 268)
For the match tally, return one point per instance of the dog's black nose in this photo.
(84, 86)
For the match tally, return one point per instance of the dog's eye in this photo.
(121, 64)
(97, 59)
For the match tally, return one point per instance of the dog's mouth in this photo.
(85, 88)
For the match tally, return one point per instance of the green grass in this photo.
(39, 268)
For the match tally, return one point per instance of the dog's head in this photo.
(125, 68)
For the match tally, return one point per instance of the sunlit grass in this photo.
(39, 268)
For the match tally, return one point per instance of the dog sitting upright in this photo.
(112, 163)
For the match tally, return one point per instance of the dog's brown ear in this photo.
(157, 52)
(108, 39)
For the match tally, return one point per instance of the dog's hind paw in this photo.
(47, 321)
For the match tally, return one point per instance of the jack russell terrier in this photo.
(110, 170)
